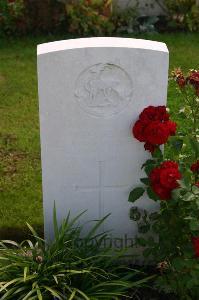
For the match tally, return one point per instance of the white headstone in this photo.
(91, 91)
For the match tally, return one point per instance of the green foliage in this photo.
(126, 19)
(89, 17)
(183, 14)
(11, 15)
(20, 17)
(136, 194)
(44, 16)
(192, 19)
(70, 267)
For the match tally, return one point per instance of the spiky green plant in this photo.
(63, 269)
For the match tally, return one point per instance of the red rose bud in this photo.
(181, 82)
(195, 242)
(195, 167)
(169, 164)
(150, 147)
(164, 178)
(194, 78)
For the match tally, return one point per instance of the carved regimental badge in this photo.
(103, 89)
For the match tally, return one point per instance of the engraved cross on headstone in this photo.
(100, 187)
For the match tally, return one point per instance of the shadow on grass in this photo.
(19, 234)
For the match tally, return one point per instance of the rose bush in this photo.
(170, 236)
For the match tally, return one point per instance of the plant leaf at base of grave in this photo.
(63, 269)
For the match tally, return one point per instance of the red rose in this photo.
(159, 190)
(150, 147)
(163, 193)
(172, 126)
(162, 113)
(155, 175)
(169, 164)
(152, 113)
(148, 114)
(195, 242)
(195, 167)
(168, 178)
(138, 131)
(156, 133)
(164, 178)
(153, 127)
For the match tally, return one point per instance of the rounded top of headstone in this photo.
(103, 42)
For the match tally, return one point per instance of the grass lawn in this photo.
(20, 169)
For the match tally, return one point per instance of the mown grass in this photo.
(20, 169)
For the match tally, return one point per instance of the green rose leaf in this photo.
(146, 180)
(157, 154)
(148, 162)
(151, 194)
(136, 194)
(149, 168)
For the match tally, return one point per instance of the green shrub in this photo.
(183, 14)
(89, 17)
(44, 16)
(68, 268)
(126, 20)
(19, 17)
(11, 16)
